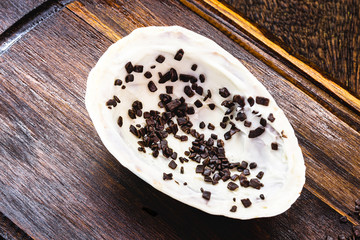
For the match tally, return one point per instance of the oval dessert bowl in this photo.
(188, 118)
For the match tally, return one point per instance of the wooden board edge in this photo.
(255, 33)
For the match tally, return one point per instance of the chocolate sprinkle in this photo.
(232, 186)
(129, 78)
(172, 164)
(246, 202)
(262, 101)
(198, 103)
(138, 68)
(233, 209)
(194, 67)
(148, 74)
(168, 176)
(271, 117)
(224, 92)
(182, 170)
(111, 102)
(129, 67)
(169, 89)
(179, 55)
(262, 196)
(251, 101)
(153, 66)
(257, 132)
(160, 59)
(118, 82)
(120, 121)
(206, 195)
(274, 146)
(152, 87)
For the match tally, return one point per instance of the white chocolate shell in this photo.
(284, 170)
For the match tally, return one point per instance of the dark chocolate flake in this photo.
(199, 169)
(169, 89)
(263, 122)
(202, 79)
(253, 165)
(148, 74)
(160, 59)
(262, 101)
(129, 78)
(179, 55)
(233, 209)
(202, 125)
(240, 116)
(206, 195)
(120, 121)
(187, 78)
(260, 175)
(224, 92)
(199, 90)
(271, 117)
(194, 67)
(274, 146)
(188, 91)
(255, 183)
(247, 124)
(111, 102)
(134, 131)
(262, 196)
(211, 126)
(182, 170)
(211, 106)
(257, 132)
(198, 103)
(251, 101)
(138, 68)
(246, 202)
(129, 67)
(118, 82)
(167, 176)
(232, 186)
(117, 99)
(172, 164)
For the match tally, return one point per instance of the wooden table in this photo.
(57, 180)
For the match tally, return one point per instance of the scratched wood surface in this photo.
(57, 180)
(325, 34)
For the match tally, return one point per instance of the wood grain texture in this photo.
(12, 11)
(326, 34)
(60, 182)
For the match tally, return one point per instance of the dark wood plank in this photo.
(60, 182)
(323, 33)
(8, 230)
(12, 11)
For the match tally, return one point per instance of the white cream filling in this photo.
(284, 170)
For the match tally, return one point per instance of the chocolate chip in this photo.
(183, 138)
(167, 176)
(262, 196)
(232, 186)
(160, 59)
(274, 146)
(153, 66)
(179, 55)
(173, 75)
(188, 91)
(198, 103)
(182, 170)
(123, 87)
(253, 165)
(271, 117)
(187, 78)
(211, 106)
(199, 169)
(260, 175)
(174, 155)
(220, 143)
(244, 182)
(223, 125)
(255, 183)
(227, 135)
(148, 74)
(194, 67)
(207, 172)
(257, 132)
(240, 116)
(129, 67)
(262, 101)
(246, 202)
(214, 136)
(185, 183)
(131, 113)
(239, 100)
(233, 209)
(118, 82)
(111, 102)
(202, 125)
(164, 78)
(211, 126)
(199, 90)
(116, 99)
(129, 78)
(169, 89)
(138, 68)
(251, 101)
(263, 122)
(224, 92)
(202, 79)
(246, 172)
(134, 131)
(234, 199)
(247, 124)
(120, 121)
(206, 195)
(244, 164)
(171, 106)
(172, 164)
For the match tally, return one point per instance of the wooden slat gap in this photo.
(220, 11)
(28, 22)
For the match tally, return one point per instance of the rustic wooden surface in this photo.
(57, 180)
(326, 34)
